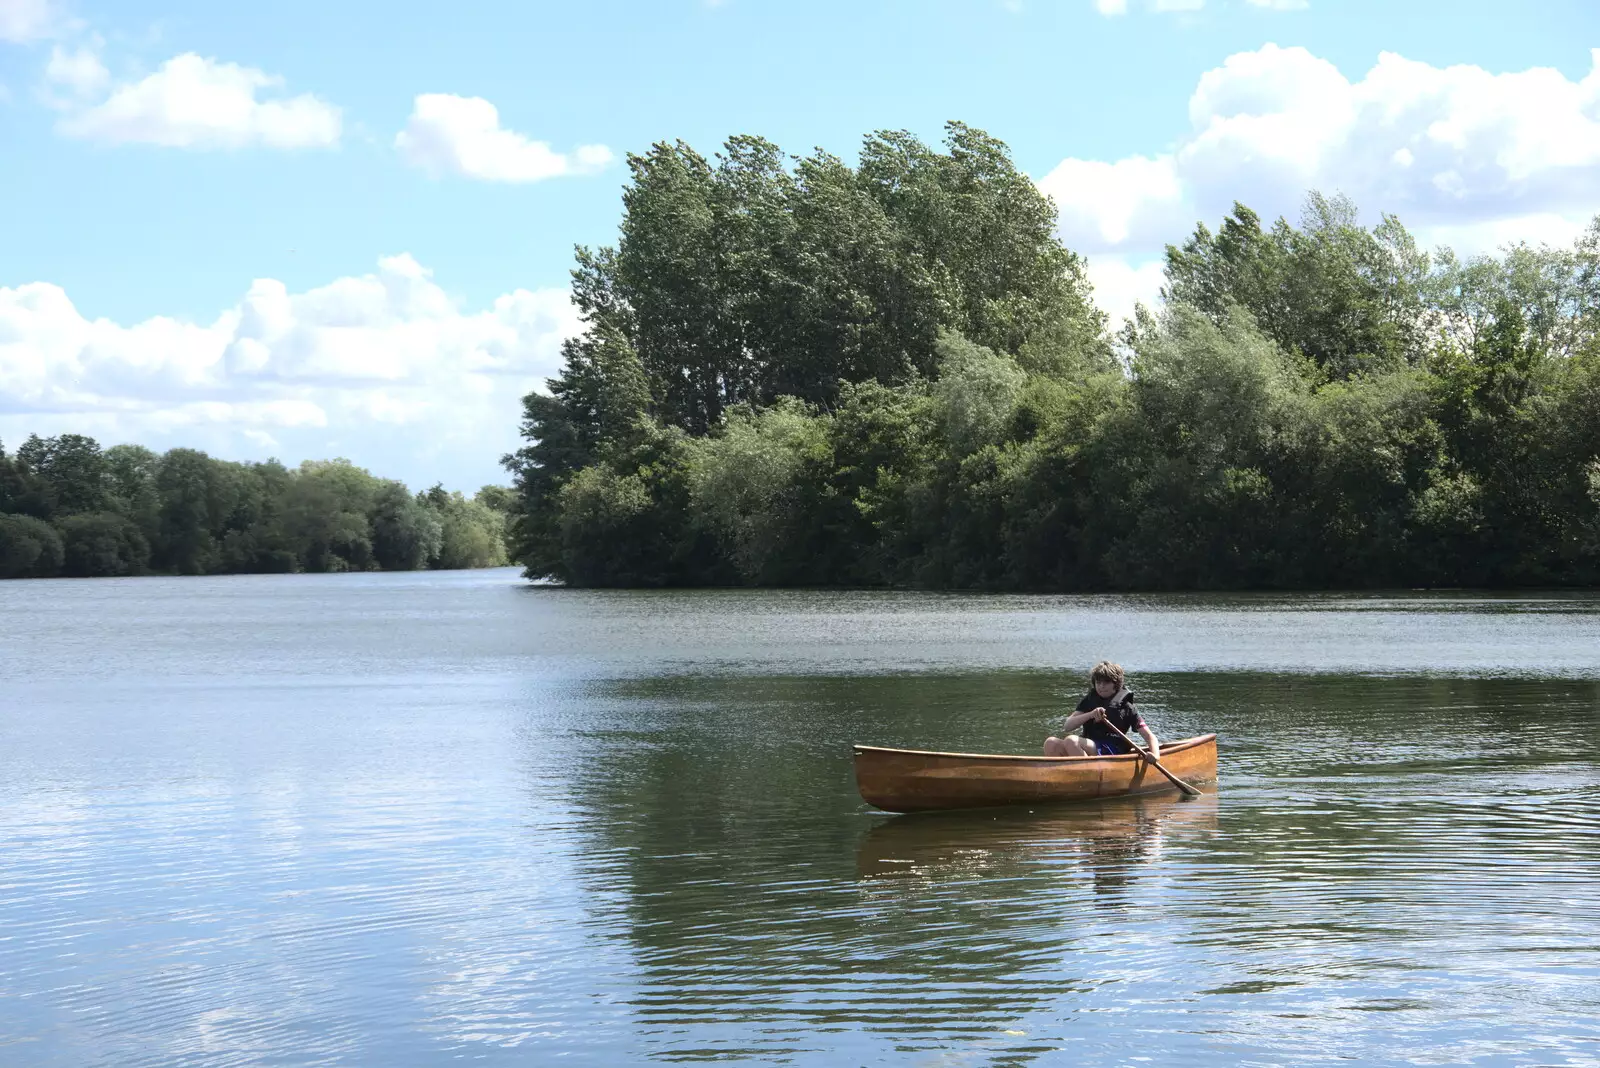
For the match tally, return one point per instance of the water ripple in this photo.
(412, 833)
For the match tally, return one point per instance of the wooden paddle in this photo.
(1179, 783)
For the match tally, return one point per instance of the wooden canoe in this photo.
(911, 780)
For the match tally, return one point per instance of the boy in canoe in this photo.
(1108, 701)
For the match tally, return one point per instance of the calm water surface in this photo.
(419, 819)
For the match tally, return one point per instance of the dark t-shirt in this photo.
(1119, 710)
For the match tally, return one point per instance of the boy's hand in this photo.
(1099, 714)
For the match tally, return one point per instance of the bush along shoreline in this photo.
(799, 372)
(70, 508)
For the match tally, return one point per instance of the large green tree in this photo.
(21, 491)
(1349, 298)
(747, 278)
(72, 469)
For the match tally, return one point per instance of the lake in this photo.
(409, 819)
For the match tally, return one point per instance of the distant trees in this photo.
(29, 548)
(472, 531)
(102, 543)
(67, 507)
(802, 372)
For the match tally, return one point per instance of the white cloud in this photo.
(79, 72)
(1456, 149)
(384, 368)
(1281, 5)
(1111, 7)
(27, 20)
(194, 102)
(1540, 228)
(1121, 282)
(462, 135)
(1111, 199)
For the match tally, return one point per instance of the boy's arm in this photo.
(1151, 740)
(1076, 720)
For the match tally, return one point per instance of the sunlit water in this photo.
(414, 819)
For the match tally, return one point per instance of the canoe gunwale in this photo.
(1076, 761)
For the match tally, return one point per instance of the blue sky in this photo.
(238, 226)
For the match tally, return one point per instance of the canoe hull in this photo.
(911, 780)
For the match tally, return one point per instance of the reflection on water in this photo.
(400, 820)
(1109, 839)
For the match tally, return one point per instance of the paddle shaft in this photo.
(1179, 783)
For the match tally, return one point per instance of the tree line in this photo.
(69, 507)
(802, 372)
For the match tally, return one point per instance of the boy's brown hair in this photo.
(1106, 671)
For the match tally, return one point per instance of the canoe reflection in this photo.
(998, 841)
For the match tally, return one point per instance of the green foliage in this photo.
(325, 516)
(406, 535)
(739, 281)
(185, 512)
(976, 393)
(29, 548)
(751, 277)
(799, 372)
(743, 483)
(131, 487)
(21, 491)
(1347, 298)
(1555, 294)
(471, 532)
(1182, 495)
(195, 497)
(612, 529)
(499, 499)
(72, 471)
(97, 544)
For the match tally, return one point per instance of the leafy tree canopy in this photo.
(799, 371)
